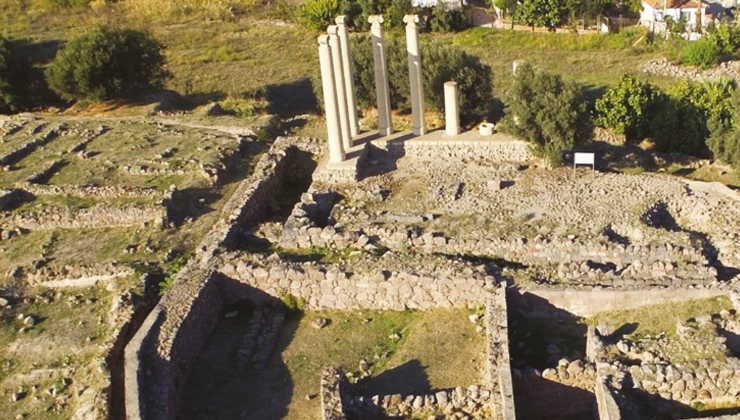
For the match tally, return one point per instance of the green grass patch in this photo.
(656, 319)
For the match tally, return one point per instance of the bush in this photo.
(629, 107)
(546, 111)
(702, 53)
(440, 63)
(318, 14)
(725, 36)
(14, 78)
(681, 122)
(106, 63)
(444, 19)
(724, 141)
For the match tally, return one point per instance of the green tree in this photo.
(15, 79)
(106, 63)
(628, 107)
(681, 124)
(541, 12)
(546, 111)
(724, 140)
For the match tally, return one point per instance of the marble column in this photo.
(336, 57)
(349, 75)
(385, 123)
(334, 132)
(452, 120)
(417, 87)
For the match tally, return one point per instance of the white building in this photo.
(655, 12)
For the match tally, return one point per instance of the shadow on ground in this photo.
(219, 388)
(409, 378)
(290, 99)
(539, 398)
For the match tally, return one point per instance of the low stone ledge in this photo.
(332, 382)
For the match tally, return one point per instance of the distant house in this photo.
(450, 4)
(655, 12)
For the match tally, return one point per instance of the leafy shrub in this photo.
(14, 78)
(724, 141)
(444, 19)
(629, 107)
(546, 111)
(725, 36)
(702, 53)
(318, 14)
(106, 63)
(680, 124)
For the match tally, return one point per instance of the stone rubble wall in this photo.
(663, 67)
(78, 274)
(86, 191)
(335, 288)
(161, 354)
(51, 168)
(607, 264)
(499, 361)
(705, 381)
(332, 383)
(21, 152)
(504, 151)
(97, 217)
(248, 205)
(586, 301)
(471, 402)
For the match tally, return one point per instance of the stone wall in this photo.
(76, 275)
(21, 152)
(169, 342)
(96, 217)
(330, 391)
(471, 402)
(160, 356)
(86, 191)
(497, 151)
(567, 260)
(249, 204)
(331, 287)
(589, 301)
(499, 361)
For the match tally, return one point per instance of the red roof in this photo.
(674, 4)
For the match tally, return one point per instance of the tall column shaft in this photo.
(417, 88)
(336, 150)
(452, 120)
(385, 123)
(336, 57)
(349, 75)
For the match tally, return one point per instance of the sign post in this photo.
(580, 158)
